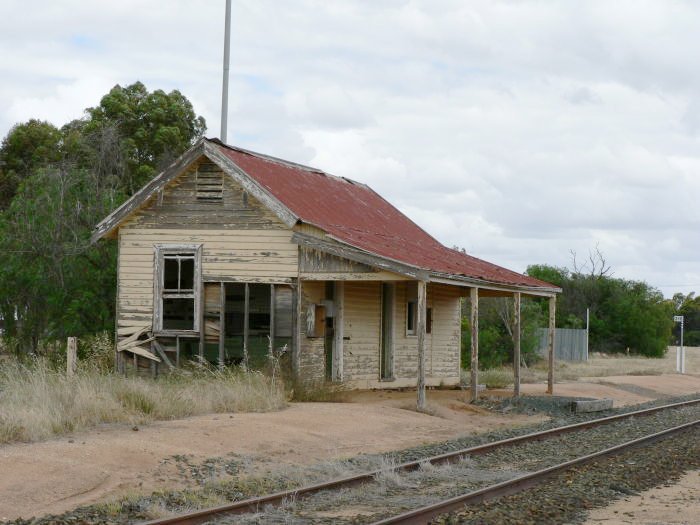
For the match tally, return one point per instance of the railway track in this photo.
(425, 513)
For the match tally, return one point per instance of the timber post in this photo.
(516, 344)
(246, 322)
(271, 341)
(339, 295)
(421, 328)
(222, 325)
(550, 344)
(72, 356)
(474, 299)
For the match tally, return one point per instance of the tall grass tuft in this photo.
(37, 401)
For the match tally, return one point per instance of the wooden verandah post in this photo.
(516, 344)
(474, 299)
(421, 329)
(550, 345)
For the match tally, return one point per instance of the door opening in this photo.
(329, 338)
(386, 360)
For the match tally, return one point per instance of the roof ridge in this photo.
(284, 162)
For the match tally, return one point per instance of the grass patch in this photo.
(497, 377)
(317, 391)
(500, 377)
(38, 402)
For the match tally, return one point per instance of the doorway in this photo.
(329, 336)
(386, 355)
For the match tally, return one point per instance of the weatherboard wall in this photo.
(362, 337)
(241, 240)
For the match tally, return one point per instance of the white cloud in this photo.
(519, 130)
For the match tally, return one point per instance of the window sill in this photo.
(387, 379)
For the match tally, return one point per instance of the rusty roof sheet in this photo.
(355, 214)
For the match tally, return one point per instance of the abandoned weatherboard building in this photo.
(231, 255)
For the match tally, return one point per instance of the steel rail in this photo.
(512, 486)
(278, 498)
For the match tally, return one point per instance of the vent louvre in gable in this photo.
(209, 181)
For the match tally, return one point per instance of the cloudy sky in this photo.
(520, 131)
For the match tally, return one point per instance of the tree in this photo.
(689, 307)
(155, 128)
(623, 314)
(26, 148)
(53, 282)
(496, 346)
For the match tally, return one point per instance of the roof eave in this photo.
(133, 203)
(339, 248)
(463, 280)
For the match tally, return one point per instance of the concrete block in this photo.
(595, 405)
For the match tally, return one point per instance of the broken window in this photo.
(268, 318)
(177, 290)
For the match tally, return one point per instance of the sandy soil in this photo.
(677, 504)
(623, 390)
(60, 474)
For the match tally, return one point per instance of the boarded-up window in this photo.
(209, 183)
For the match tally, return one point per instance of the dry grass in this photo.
(598, 365)
(37, 402)
(317, 391)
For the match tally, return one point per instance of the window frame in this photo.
(161, 251)
(411, 331)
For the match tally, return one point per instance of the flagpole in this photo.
(227, 57)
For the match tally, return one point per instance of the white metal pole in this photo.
(227, 57)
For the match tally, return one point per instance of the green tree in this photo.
(155, 128)
(53, 282)
(623, 314)
(26, 148)
(496, 345)
(689, 307)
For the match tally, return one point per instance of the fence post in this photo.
(72, 356)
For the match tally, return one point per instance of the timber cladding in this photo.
(443, 341)
(312, 356)
(250, 255)
(362, 329)
(362, 336)
(240, 238)
(181, 205)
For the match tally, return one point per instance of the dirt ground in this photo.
(676, 504)
(61, 474)
(623, 390)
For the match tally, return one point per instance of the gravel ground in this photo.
(396, 493)
(567, 497)
(404, 491)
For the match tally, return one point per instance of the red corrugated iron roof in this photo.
(355, 214)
